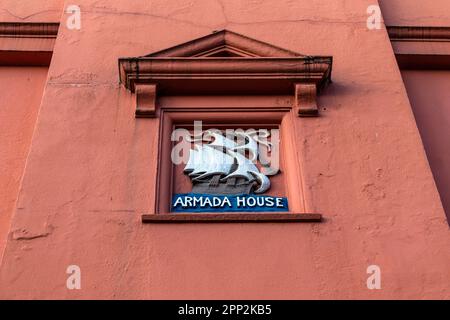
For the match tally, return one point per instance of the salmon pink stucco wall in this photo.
(91, 169)
(31, 10)
(20, 98)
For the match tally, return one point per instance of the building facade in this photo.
(352, 96)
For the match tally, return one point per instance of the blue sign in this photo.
(194, 202)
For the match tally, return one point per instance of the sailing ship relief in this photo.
(225, 175)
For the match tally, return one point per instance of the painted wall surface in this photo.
(90, 174)
(31, 10)
(20, 98)
(416, 12)
(431, 107)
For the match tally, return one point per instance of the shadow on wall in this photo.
(430, 99)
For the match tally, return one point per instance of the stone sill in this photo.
(231, 217)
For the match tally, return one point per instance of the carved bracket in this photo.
(145, 100)
(306, 100)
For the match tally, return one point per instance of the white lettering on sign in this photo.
(193, 201)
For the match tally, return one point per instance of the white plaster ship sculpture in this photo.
(222, 167)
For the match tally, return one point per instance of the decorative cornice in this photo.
(29, 44)
(283, 73)
(225, 63)
(412, 47)
(28, 30)
(400, 33)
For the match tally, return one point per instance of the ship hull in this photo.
(223, 188)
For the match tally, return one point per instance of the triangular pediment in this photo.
(222, 44)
